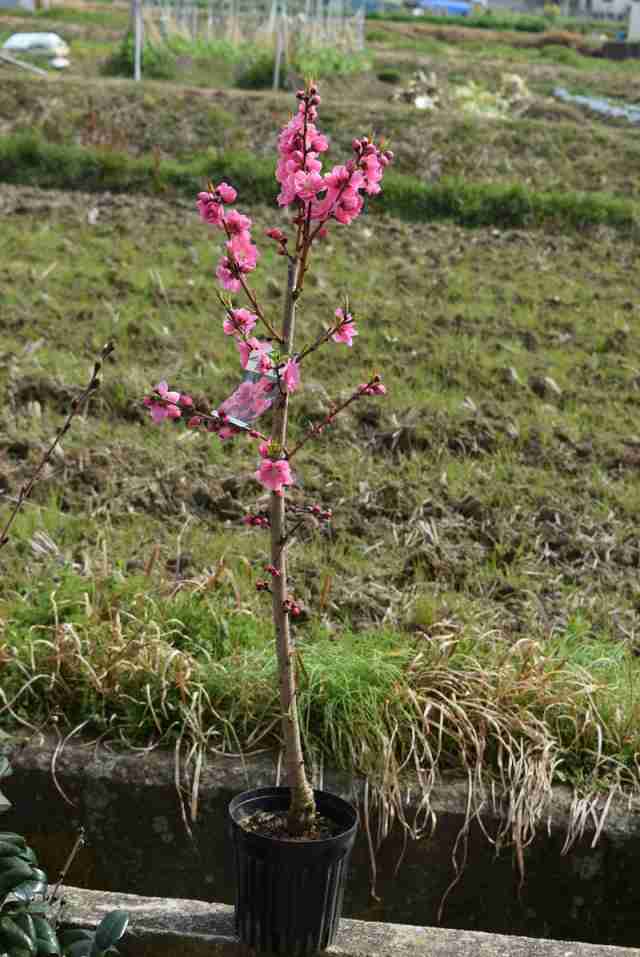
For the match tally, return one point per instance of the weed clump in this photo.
(158, 61)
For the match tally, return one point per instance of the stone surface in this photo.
(137, 842)
(193, 928)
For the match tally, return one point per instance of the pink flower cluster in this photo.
(273, 474)
(241, 256)
(346, 329)
(336, 195)
(164, 404)
(257, 521)
(375, 387)
(239, 322)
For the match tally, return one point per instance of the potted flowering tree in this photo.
(292, 844)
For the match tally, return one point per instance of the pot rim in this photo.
(281, 791)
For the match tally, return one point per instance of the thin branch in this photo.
(77, 406)
(325, 336)
(320, 427)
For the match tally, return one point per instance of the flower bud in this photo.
(194, 422)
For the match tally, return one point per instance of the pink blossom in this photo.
(290, 375)
(299, 144)
(319, 142)
(308, 185)
(236, 223)
(373, 170)
(241, 321)
(227, 274)
(372, 388)
(348, 207)
(273, 475)
(347, 329)
(168, 409)
(227, 193)
(263, 449)
(243, 251)
(210, 208)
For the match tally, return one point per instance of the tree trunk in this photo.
(302, 807)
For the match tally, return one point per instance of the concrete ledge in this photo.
(186, 928)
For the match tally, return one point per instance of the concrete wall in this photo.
(137, 842)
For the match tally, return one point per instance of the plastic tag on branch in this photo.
(254, 396)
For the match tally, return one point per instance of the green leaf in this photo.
(13, 838)
(29, 855)
(110, 930)
(27, 890)
(8, 848)
(5, 767)
(81, 948)
(75, 934)
(19, 952)
(12, 935)
(9, 863)
(25, 922)
(38, 909)
(46, 938)
(37, 874)
(14, 876)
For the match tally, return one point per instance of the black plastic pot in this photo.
(289, 893)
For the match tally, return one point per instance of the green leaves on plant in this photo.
(12, 935)
(46, 938)
(12, 838)
(10, 850)
(109, 931)
(5, 767)
(13, 872)
(27, 928)
(80, 948)
(74, 935)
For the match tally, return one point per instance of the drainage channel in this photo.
(137, 843)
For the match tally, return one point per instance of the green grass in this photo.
(474, 606)
(30, 160)
(553, 148)
(522, 23)
(158, 664)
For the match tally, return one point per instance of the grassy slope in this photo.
(484, 539)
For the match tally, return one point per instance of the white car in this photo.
(41, 44)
